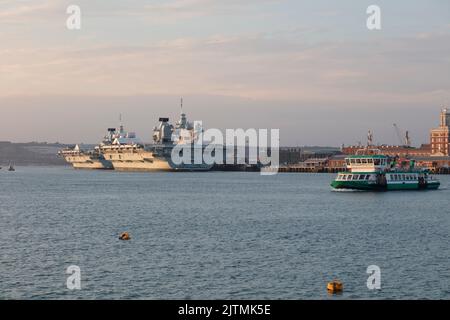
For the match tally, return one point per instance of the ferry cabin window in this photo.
(370, 161)
(364, 161)
(355, 177)
(358, 161)
(368, 177)
(347, 161)
(377, 162)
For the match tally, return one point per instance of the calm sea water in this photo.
(216, 236)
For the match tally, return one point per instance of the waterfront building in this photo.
(440, 137)
(401, 151)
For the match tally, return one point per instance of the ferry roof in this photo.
(355, 173)
(418, 171)
(371, 156)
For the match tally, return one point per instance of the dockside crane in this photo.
(407, 141)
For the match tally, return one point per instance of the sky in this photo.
(309, 68)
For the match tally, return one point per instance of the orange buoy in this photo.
(335, 286)
(125, 236)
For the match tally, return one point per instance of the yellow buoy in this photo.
(125, 236)
(335, 286)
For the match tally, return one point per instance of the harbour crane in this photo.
(407, 141)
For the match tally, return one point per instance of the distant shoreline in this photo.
(30, 154)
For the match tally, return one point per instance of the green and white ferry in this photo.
(371, 170)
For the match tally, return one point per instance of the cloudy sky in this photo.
(310, 68)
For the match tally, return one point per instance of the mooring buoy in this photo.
(335, 286)
(125, 236)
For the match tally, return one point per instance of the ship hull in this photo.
(88, 162)
(96, 165)
(156, 166)
(141, 166)
(355, 185)
(366, 186)
(143, 160)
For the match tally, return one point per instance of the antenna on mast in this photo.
(120, 122)
(181, 104)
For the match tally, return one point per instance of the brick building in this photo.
(440, 137)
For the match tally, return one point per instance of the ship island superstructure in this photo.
(124, 151)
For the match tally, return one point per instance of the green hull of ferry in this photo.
(367, 186)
